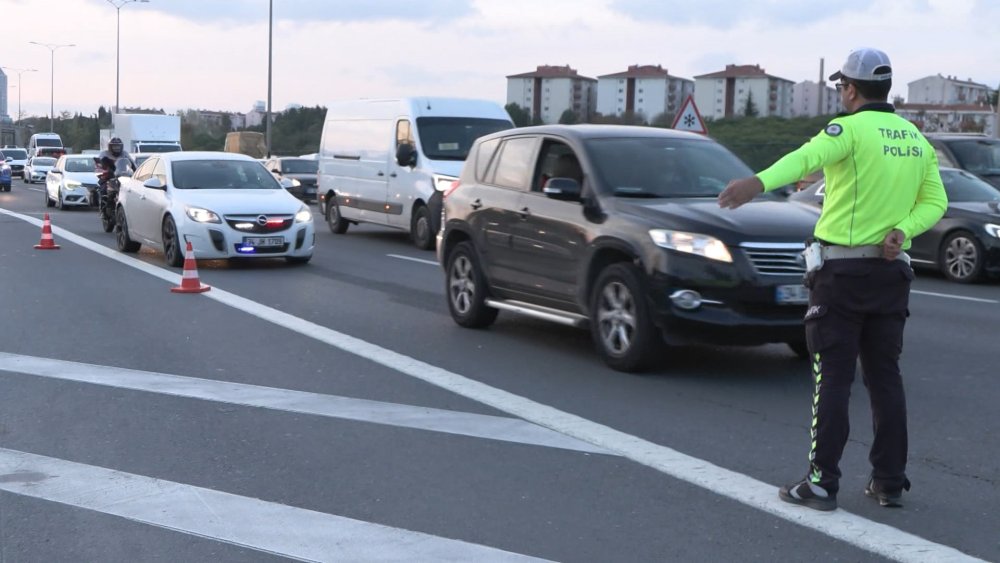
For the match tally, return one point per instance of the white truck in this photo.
(144, 133)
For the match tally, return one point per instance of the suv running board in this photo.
(540, 312)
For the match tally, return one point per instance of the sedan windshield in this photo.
(962, 186)
(655, 167)
(43, 162)
(16, 154)
(79, 165)
(450, 138)
(222, 175)
(979, 156)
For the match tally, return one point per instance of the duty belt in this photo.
(833, 252)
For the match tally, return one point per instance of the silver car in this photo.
(71, 182)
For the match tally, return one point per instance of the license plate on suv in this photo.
(263, 241)
(791, 295)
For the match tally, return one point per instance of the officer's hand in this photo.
(740, 191)
(893, 244)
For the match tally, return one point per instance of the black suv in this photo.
(619, 227)
(973, 152)
(297, 175)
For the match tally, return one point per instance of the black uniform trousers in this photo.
(858, 308)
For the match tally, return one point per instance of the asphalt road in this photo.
(333, 411)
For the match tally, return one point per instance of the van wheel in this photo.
(620, 322)
(338, 225)
(466, 289)
(421, 231)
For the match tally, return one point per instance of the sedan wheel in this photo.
(60, 204)
(961, 257)
(466, 289)
(48, 200)
(124, 242)
(171, 244)
(620, 322)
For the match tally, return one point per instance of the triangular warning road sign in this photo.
(688, 119)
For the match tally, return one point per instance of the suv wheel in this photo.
(466, 289)
(620, 321)
(961, 257)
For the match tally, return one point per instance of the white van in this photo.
(45, 144)
(387, 161)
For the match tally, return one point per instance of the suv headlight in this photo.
(993, 230)
(303, 215)
(691, 243)
(201, 215)
(442, 183)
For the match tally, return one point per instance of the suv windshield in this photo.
(299, 166)
(450, 138)
(222, 175)
(979, 156)
(962, 186)
(16, 154)
(664, 167)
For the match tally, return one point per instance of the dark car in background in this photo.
(974, 152)
(299, 175)
(619, 228)
(965, 244)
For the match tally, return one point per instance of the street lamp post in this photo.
(52, 79)
(19, 72)
(267, 119)
(118, 41)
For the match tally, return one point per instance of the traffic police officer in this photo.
(882, 189)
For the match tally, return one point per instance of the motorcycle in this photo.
(108, 188)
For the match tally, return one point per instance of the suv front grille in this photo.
(776, 258)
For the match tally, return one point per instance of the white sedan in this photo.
(37, 168)
(225, 204)
(71, 181)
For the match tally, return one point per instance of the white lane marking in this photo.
(412, 259)
(332, 406)
(949, 296)
(298, 533)
(860, 532)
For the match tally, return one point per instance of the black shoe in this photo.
(800, 493)
(891, 499)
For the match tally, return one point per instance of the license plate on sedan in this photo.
(263, 241)
(791, 295)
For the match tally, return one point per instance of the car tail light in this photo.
(454, 186)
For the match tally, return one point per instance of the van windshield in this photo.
(450, 138)
(47, 142)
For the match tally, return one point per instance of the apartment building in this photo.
(549, 91)
(810, 99)
(725, 93)
(645, 90)
(951, 118)
(946, 90)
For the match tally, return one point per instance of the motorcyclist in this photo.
(109, 164)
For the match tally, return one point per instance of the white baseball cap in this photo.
(865, 64)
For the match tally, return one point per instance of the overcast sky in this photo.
(212, 54)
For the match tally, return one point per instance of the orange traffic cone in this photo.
(47, 242)
(189, 281)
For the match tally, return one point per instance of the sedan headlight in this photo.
(72, 184)
(303, 216)
(691, 243)
(993, 230)
(442, 183)
(201, 215)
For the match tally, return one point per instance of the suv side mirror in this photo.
(406, 155)
(565, 189)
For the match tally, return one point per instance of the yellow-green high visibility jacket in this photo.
(881, 174)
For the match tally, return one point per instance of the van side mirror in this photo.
(406, 155)
(565, 189)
